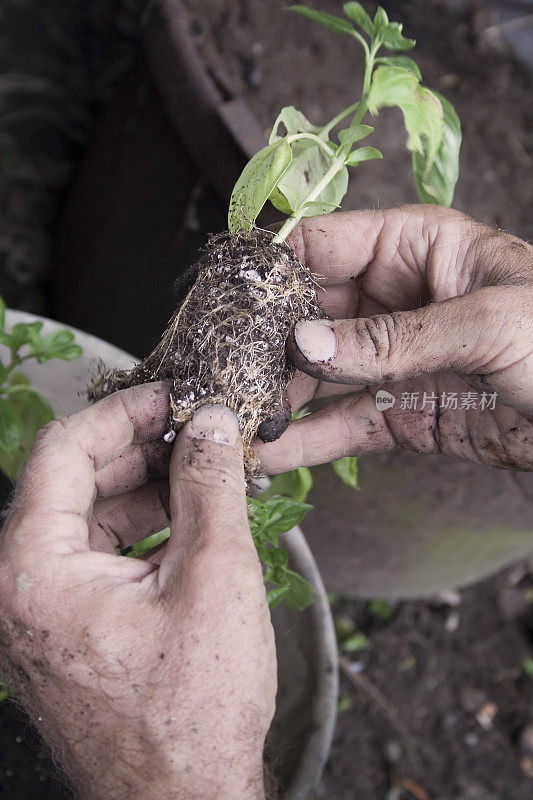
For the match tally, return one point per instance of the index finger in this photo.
(342, 245)
(59, 478)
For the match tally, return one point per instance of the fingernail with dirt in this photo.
(216, 423)
(316, 339)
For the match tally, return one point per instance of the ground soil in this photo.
(419, 725)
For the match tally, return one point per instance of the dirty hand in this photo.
(147, 678)
(433, 308)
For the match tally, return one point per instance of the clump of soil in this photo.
(226, 342)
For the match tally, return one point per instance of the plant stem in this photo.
(290, 224)
(325, 130)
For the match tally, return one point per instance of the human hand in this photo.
(147, 678)
(424, 300)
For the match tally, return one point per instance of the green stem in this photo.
(362, 106)
(295, 218)
(325, 130)
(313, 137)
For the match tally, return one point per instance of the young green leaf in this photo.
(422, 110)
(346, 469)
(330, 21)
(18, 379)
(437, 184)
(255, 184)
(295, 484)
(354, 134)
(345, 702)
(400, 61)
(57, 344)
(10, 427)
(5, 691)
(276, 595)
(275, 557)
(282, 514)
(381, 20)
(389, 34)
(309, 165)
(320, 207)
(300, 593)
(33, 411)
(354, 643)
(293, 121)
(357, 14)
(380, 609)
(391, 37)
(363, 154)
(26, 333)
(2, 314)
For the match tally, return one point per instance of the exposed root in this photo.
(226, 343)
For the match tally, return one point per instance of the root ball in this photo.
(226, 342)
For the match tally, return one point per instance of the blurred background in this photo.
(120, 139)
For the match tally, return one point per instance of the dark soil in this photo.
(452, 694)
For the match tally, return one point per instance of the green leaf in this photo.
(346, 469)
(255, 184)
(282, 514)
(380, 609)
(10, 427)
(2, 314)
(280, 202)
(363, 154)
(275, 557)
(320, 206)
(344, 627)
(8, 340)
(381, 19)
(145, 545)
(390, 33)
(33, 411)
(295, 484)
(392, 38)
(58, 344)
(354, 643)
(18, 379)
(308, 166)
(421, 108)
(293, 121)
(333, 23)
(401, 61)
(357, 14)
(527, 666)
(354, 134)
(345, 702)
(300, 594)
(275, 596)
(437, 184)
(26, 333)
(5, 691)
(276, 574)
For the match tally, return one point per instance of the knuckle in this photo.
(379, 335)
(212, 468)
(48, 435)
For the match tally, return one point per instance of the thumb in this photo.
(453, 334)
(207, 487)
